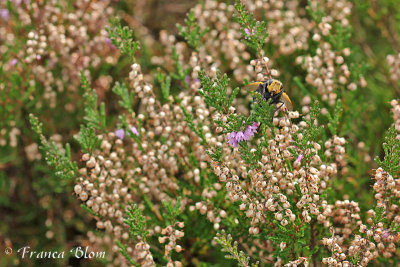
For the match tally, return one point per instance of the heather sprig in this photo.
(126, 95)
(172, 211)
(192, 31)
(316, 12)
(391, 159)
(334, 120)
(88, 139)
(56, 158)
(165, 83)
(225, 240)
(180, 71)
(215, 91)
(123, 38)
(136, 222)
(306, 140)
(198, 129)
(262, 112)
(95, 116)
(254, 32)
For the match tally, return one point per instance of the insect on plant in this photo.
(271, 89)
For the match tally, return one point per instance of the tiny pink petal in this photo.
(232, 140)
(134, 131)
(300, 157)
(239, 136)
(120, 133)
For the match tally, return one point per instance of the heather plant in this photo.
(44, 47)
(173, 163)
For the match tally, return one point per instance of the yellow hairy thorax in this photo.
(275, 87)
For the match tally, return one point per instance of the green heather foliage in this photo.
(122, 136)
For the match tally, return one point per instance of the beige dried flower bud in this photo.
(78, 189)
(91, 163)
(162, 239)
(178, 248)
(85, 157)
(83, 196)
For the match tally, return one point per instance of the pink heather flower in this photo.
(232, 139)
(240, 136)
(14, 62)
(187, 78)
(109, 43)
(120, 133)
(300, 157)
(248, 33)
(236, 137)
(250, 131)
(134, 131)
(254, 126)
(4, 14)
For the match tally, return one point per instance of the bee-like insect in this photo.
(271, 89)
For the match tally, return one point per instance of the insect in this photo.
(271, 89)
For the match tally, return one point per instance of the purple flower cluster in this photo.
(120, 133)
(236, 137)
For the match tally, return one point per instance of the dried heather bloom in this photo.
(278, 185)
(170, 236)
(327, 69)
(394, 66)
(387, 191)
(54, 42)
(151, 167)
(32, 152)
(352, 238)
(301, 260)
(143, 254)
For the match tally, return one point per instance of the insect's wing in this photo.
(252, 86)
(286, 100)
